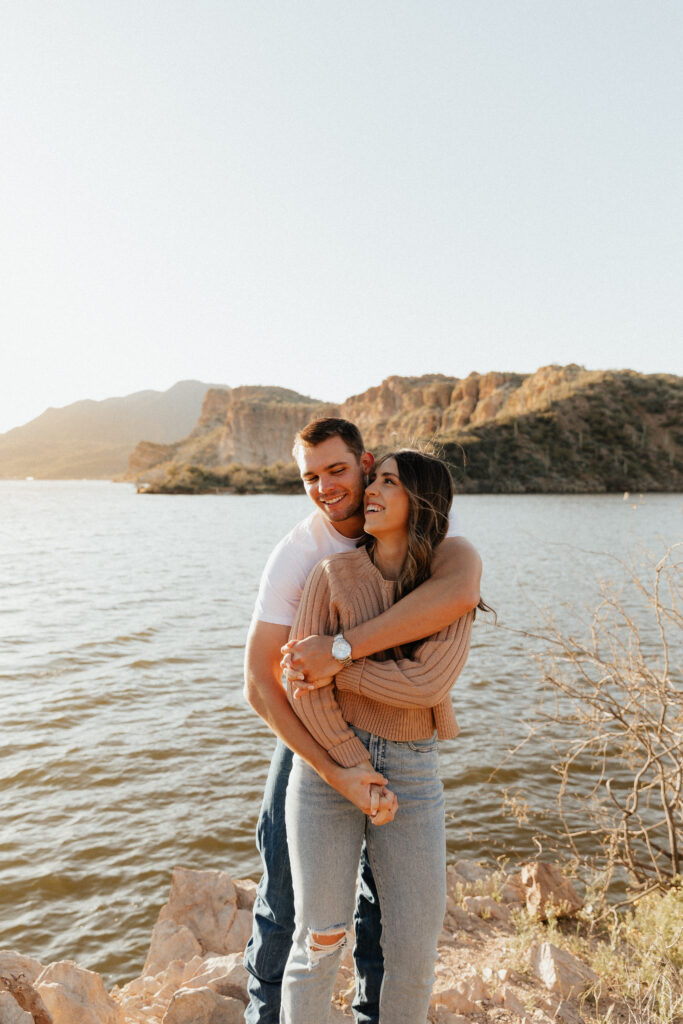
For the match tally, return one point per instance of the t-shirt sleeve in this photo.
(423, 681)
(282, 583)
(454, 527)
(318, 709)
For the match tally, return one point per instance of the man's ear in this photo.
(367, 461)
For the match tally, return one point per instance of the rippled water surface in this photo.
(125, 744)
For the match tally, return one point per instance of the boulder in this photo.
(224, 974)
(513, 889)
(463, 996)
(486, 908)
(206, 903)
(548, 891)
(246, 893)
(471, 871)
(11, 1012)
(240, 932)
(14, 964)
(26, 997)
(170, 941)
(71, 993)
(559, 971)
(203, 1006)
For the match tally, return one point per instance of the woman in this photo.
(389, 713)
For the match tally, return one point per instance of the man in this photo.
(333, 465)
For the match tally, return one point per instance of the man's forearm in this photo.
(354, 784)
(269, 701)
(451, 591)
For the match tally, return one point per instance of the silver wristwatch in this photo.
(341, 649)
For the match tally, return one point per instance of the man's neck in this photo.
(351, 527)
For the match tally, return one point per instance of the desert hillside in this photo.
(561, 429)
(91, 439)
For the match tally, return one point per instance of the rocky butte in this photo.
(560, 429)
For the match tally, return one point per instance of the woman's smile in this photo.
(386, 500)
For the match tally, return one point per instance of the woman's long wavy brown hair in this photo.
(429, 486)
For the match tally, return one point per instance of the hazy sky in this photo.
(320, 193)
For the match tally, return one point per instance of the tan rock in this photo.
(464, 995)
(203, 1006)
(246, 893)
(71, 993)
(444, 1016)
(476, 986)
(173, 975)
(505, 996)
(11, 1012)
(15, 964)
(457, 918)
(17, 975)
(560, 1010)
(206, 903)
(224, 974)
(170, 941)
(28, 999)
(513, 889)
(193, 967)
(486, 908)
(240, 932)
(454, 999)
(472, 872)
(560, 971)
(548, 890)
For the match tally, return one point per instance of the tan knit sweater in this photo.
(400, 700)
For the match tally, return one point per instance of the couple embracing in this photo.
(369, 603)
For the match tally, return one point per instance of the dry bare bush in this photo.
(613, 714)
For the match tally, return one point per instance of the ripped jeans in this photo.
(408, 860)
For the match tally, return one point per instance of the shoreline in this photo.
(500, 959)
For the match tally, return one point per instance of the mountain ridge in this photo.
(558, 429)
(94, 439)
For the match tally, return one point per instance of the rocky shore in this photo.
(488, 970)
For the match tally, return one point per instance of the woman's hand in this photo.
(383, 805)
(291, 673)
(310, 659)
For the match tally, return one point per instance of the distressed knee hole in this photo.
(324, 943)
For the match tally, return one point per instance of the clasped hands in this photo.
(309, 663)
(383, 805)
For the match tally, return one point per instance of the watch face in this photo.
(341, 649)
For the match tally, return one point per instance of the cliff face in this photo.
(559, 429)
(253, 425)
(406, 408)
(259, 424)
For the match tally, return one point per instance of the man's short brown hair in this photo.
(329, 426)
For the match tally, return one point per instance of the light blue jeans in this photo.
(408, 860)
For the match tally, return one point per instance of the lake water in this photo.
(125, 745)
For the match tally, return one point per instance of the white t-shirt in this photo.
(292, 560)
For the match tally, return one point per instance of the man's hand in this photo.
(309, 659)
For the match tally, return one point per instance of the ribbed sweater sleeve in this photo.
(423, 681)
(318, 709)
